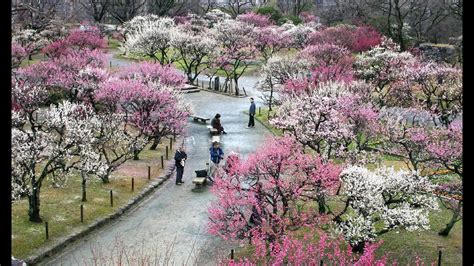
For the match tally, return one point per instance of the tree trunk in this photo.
(270, 100)
(29, 57)
(155, 144)
(359, 247)
(84, 180)
(236, 87)
(321, 205)
(34, 205)
(449, 226)
(135, 154)
(105, 179)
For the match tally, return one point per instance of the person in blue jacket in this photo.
(251, 114)
(217, 155)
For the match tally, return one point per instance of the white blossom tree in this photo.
(192, 49)
(55, 146)
(150, 36)
(383, 200)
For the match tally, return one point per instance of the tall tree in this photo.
(124, 10)
(96, 8)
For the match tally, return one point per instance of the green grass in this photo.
(262, 116)
(113, 43)
(60, 207)
(34, 59)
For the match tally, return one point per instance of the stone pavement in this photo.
(173, 219)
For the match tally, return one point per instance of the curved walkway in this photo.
(171, 223)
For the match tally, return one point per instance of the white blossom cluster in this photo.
(147, 36)
(397, 199)
(64, 141)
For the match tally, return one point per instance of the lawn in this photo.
(60, 207)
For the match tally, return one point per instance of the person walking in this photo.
(180, 158)
(216, 155)
(251, 114)
(216, 123)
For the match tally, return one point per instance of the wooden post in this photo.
(133, 183)
(162, 163)
(439, 258)
(231, 254)
(82, 213)
(166, 152)
(46, 229)
(111, 198)
(171, 143)
(149, 172)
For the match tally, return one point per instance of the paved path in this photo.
(176, 215)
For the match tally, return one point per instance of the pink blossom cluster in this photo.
(18, 54)
(255, 19)
(356, 39)
(259, 196)
(152, 72)
(90, 38)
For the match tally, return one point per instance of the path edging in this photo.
(64, 241)
(222, 93)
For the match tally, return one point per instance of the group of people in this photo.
(215, 151)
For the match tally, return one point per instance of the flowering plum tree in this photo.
(266, 194)
(62, 72)
(293, 250)
(255, 19)
(193, 50)
(152, 73)
(18, 54)
(315, 116)
(150, 36)
(300, 34)
(154, 111)
(77, 39)
(386, 70)
(270, 40)
(446, 147)
(274, 74)
(54, 146)
(398, 199)
(405, 136)
(450, 196)
(441, 90)
(30, 40)
(115, 143)
(237, 50)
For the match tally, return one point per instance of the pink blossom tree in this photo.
(18, 54)
(342, 35)
(154, 112)
(366, 37)
(294, 250)
(265, 195)
(255, 19)
(78, 39)
(152, 73)
(270, 40)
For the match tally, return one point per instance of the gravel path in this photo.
(173, 219)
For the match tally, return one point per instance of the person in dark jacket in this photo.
(216, 123)
(180, 158)
(251, 114)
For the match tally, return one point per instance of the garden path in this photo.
(174, 217)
